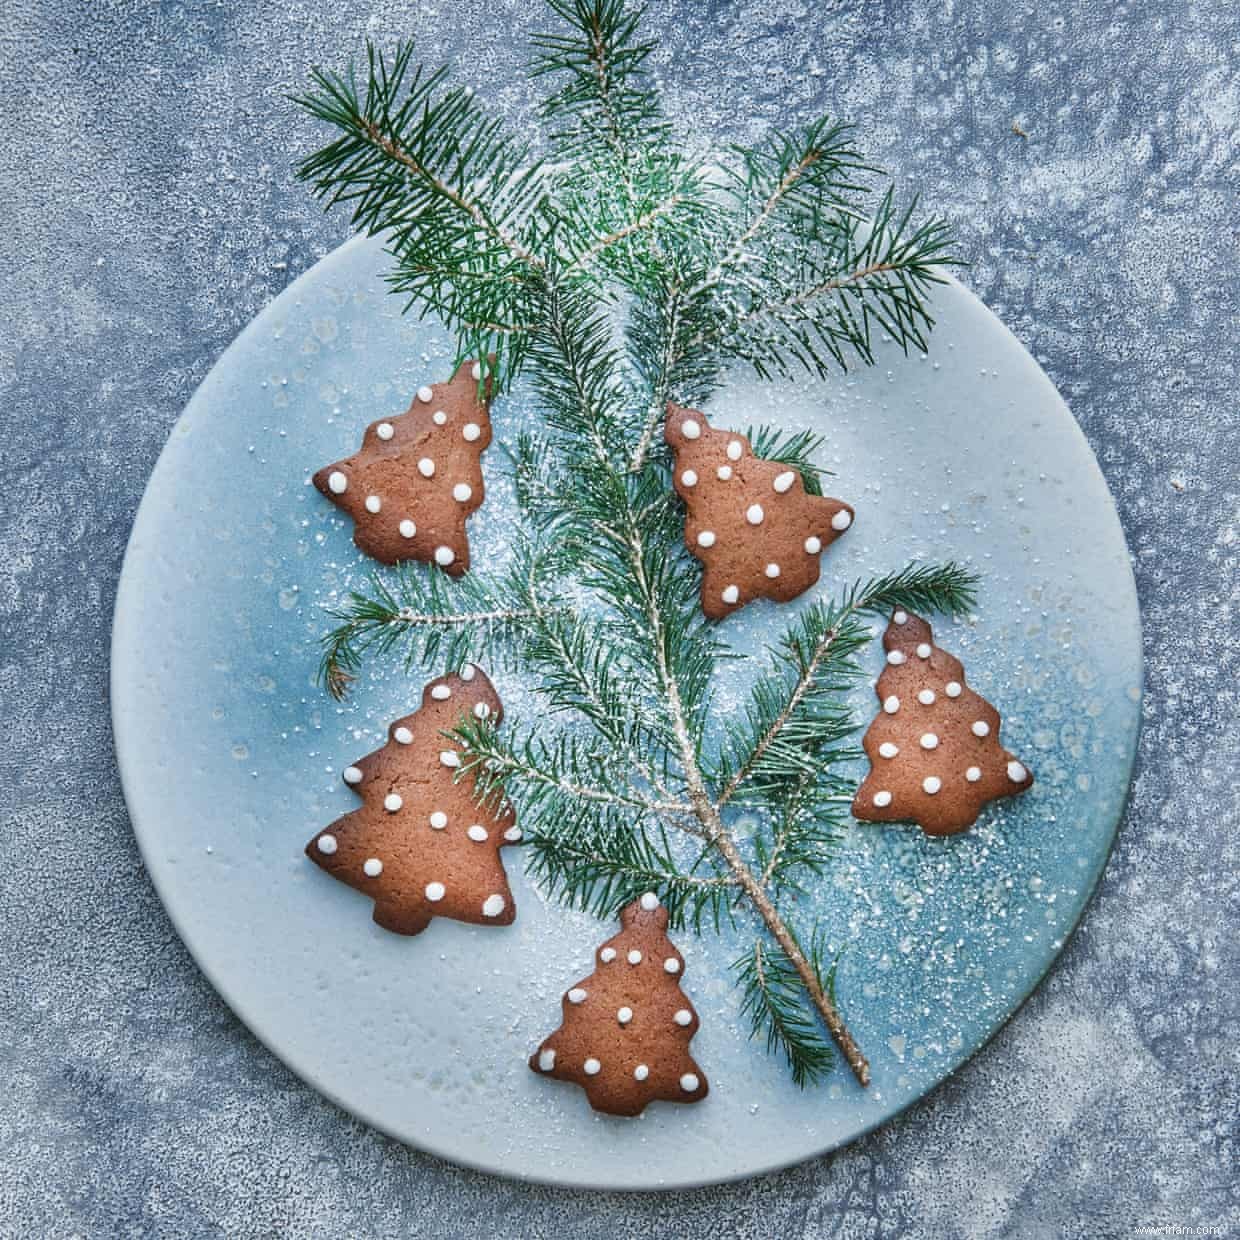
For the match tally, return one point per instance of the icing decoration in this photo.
(888, 750)
(481, 711)
(842, 520)
(724, 473)
(683, 1017)
(953, 689)
(634, 957)
(576, 995)
(901, 617)
(973, 774)
(513, 834)
(338, 483)
(882, 798)
(327, 843)
(435, 892)
(607, 955)
(689, 1082)
(373, 503)
(931, 784)
(706, 538)
(813, 545)
(546, 1060)
(926, 697)
(929, 741)
(493, 905)
(449, 757)
(592, 1067)
(896, 657)
(772, 570)
(624, 1015)
(691, 429)
(650, 901)
(407, 528)
(462, 492)
(373, 867)
(441, 692)
(891, 704)
(689, 478)
(923, 650)
(730, 594)
(471, 431)
(1016, 772)
(641, 1072)
(439, 417)
(735, 449)
(783, 482)
(392, 802)
(754, 514)
(478, 833)
(352, 775)
(426, 467)
(980, 728)
(425, 395)
(385, 430)
(402, 736)
(671, 965)
(475, 371)
(438, 820)
(444, 556)
(467, 672)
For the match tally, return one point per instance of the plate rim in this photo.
(124, 744)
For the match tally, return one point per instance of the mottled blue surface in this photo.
(145, 180)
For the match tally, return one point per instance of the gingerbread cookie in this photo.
(626, 1028)
(418, 476)
(421, 846)
(751, 522)
(934, 751)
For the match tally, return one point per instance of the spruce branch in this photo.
(612, 281)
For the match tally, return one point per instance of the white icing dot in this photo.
(981, 728)
(373, 867)
(392, 802)
(476, 371)
(842, 519)
(493, 905)
(683, 1017)
(724, 472)
(813, 545)
(641, 1072)
(462, 492)
(730, 594)
(892, 704)
(468, 671)
(513, 834)
(734, 450)
(671, 965)
(481, 710)
(441, 693)
(1016, 772)
(973, 774)
(407, 528)
(896, 657)
(706, 538)
(772, 570)
(576, 995)
(882, 799)
(888, 750)
(435, 892)
(690, 429)
(592, 1067)
(784, 481)
(373, 503)
(634, 957)
(449, 758)
(624, 1015)
(385, 430)
(546, 1060)
(425, 395)
(327, 844)
(352, 774)
(337, 483)
(444, 556)
(650, 901)
(952, 689)
(926, 697)
(754, 514)
(901, 617)
(478, 833)
(471, 431)
(929, 741)
(438, 820)
(607, 955)
(439, 417)
(402, 736)
(923, 650)
(689, 478)
(689, 1082)
(931, 784)
(426, 467)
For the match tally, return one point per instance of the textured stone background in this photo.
(144, 180)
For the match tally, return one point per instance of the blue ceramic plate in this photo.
(231, 756)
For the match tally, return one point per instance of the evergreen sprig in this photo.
(626, 274)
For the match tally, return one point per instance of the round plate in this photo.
(230, 754)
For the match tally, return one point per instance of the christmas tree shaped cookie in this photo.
(418, 476)
(626, 1028)
(751, 522)
(934, 751)
(421, 846)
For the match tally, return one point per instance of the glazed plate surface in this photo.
(231, 755)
